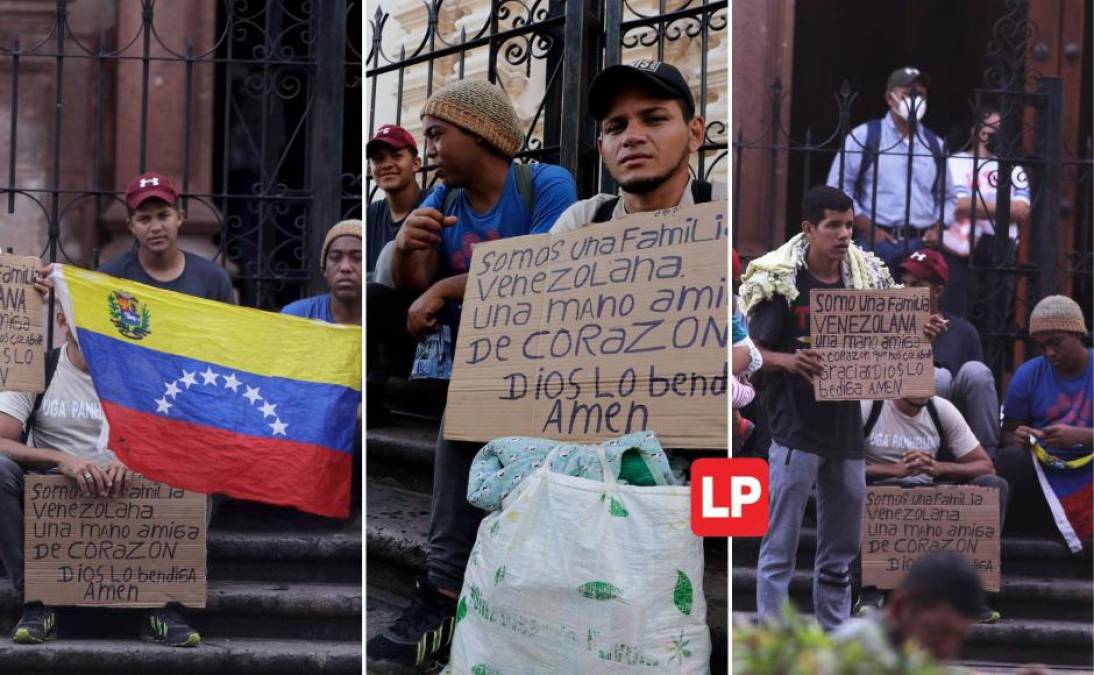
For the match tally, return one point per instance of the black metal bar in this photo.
(582, 46)
(100, 130)
(1046, 213)
(773, 169)
(14, 121)
(187, 112)
(613, 29)
(147, 10)
(739, 147)
(325, 173)
(494, 44)
(671, 17)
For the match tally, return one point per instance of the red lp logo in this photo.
(729, 497)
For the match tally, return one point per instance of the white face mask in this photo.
(904, 107)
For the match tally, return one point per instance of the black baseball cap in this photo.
(904, 77)
(661, 77)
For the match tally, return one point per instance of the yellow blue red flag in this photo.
(216, 398)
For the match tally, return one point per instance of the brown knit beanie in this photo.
(346, 228)
(481, 108)
(1057, 312)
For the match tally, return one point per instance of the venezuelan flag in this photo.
(216, 398)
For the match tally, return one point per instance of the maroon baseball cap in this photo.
(148, 185)
(393, 136)
(928, 264)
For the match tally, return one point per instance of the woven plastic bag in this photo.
(582, 576)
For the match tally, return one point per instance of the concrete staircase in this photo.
(284, 597)
(1047, 599)
(398, 501)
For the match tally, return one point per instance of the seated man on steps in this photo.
(57, 432)
(472, 134)
(904, 438)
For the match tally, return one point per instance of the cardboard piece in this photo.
(22, 346)
(872, 344)
(144, 549)
(899, 525)
(614, 328)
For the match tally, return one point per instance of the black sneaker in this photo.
(870, 600)
(420, 636)
(37, 625)
(167, 626)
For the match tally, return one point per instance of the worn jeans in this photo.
(454, 523)
(972, 391)
(11, 520)
(841, 492)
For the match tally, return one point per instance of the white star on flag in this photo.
(230, 382)
(252, 395)
(278, 427)
(162, 406)
(172, 389)
(268, 410)
(209, 376)
(188, 379)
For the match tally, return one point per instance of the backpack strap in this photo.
(604, 211)
(524, 175)
(869, 154)
(943, 447)
(871, 420)
(701, 191)
(526, 186)
(53, 357)
(935, 146)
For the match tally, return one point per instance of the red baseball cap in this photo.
(928, 264)
(148, 185)
(393, 136)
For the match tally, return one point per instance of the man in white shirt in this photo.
(904, 440)
(648, 130)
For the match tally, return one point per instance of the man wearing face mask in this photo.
(893, 218)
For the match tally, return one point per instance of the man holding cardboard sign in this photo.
(813, 442)
(61, 428)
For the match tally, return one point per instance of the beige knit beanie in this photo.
(481, 108)
(1057, 312)
(346, 228)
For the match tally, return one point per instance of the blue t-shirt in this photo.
(739, 332)
(1040, 397)
(315, 307)
(553, 192)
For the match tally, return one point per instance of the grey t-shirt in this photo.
(200, 277)
(69, 419)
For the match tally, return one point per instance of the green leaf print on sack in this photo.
(616, 509)
(461, 610)
(499, 576)
(483, 669)
(600, 590)
(679, 650)
(494, 528)
(683, 594)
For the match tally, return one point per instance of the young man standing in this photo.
(472, 134)
(393, 162)
(813, 442)
(906, 219)
(648, 130)
(155, 220)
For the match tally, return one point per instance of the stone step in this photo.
(1033, 556)
(286, 556)
(230, 655)
(396, 535)
(421, 398)
(1013, 641)
(1020, 597)
(401, 452)
(235, 609)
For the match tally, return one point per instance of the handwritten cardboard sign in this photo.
(900, 525)
(872, 344)
(143, 549)
(614, 328)
(22, 352)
